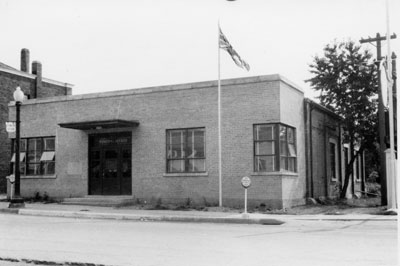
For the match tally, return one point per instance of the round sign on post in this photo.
(246, 182)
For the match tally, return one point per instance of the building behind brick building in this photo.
(34, 85)
(162, 143)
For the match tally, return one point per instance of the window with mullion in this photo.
(195, 150)
(48, 156)
(33, 156)
(38, 156)
(291, 147)
(22, 156)
(283, 144)
(287, 148)
(333, 162)
(264, 148)
(274, 148)
(186, 150)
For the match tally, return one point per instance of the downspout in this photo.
(326, 143)
(306, 141)
(311, 155)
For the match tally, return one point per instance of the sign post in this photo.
(246, 182)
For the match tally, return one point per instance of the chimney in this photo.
(25, 60)
(36, 70)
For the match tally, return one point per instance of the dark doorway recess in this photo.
(110, 164)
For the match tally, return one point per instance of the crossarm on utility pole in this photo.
(378, 38)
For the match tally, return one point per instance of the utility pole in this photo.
(381, 115)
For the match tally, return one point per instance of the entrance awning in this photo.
(87, 125)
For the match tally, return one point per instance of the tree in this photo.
(346, 78)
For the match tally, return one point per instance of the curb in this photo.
(143, 218)
(347, 219)
(185, 219)
(13, 211)
(45, 262)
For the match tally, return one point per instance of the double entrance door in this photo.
(110, 164)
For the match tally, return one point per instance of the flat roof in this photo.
(323, 108)
(166, 88)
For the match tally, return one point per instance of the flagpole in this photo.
(219, 122)
(392, 199)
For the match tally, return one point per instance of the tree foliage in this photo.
(346, 78)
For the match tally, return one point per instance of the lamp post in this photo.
(17, 201)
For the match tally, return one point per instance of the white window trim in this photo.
(335, 142)
(357, 174)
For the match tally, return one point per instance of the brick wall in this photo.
(8, 83)
(52, 90)
(325, 126)
(245, 102)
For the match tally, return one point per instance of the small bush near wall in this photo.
(373, 188)
(41, 197)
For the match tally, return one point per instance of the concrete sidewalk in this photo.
(94, 212)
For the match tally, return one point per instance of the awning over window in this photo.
(47, 156)
(21, 157)
(87, 125)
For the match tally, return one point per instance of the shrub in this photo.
(37, 196)
(373, 177)
(373, 188)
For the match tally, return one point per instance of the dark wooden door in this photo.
(110, 170)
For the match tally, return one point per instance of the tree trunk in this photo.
(349, 171)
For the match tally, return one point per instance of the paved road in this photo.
(181, 244)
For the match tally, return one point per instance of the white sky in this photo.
(107, 45)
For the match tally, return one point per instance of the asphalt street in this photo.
(114, 242)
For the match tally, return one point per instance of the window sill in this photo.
(38, 176)
(281, 173)
(185, 174)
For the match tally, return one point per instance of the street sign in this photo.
(10, 127)
(246, 182)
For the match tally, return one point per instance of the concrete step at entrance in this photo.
(104, 201)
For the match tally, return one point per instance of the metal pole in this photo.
(397, 112)
(219, 123)
(382, 127)
(392, 200)
(17, 141)
(245, 201)
(16, 200)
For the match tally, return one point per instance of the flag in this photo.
(225, 45)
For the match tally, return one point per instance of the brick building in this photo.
(327, 154)
(34, 86)
(162, 143)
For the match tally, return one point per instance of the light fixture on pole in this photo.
(17, 201)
